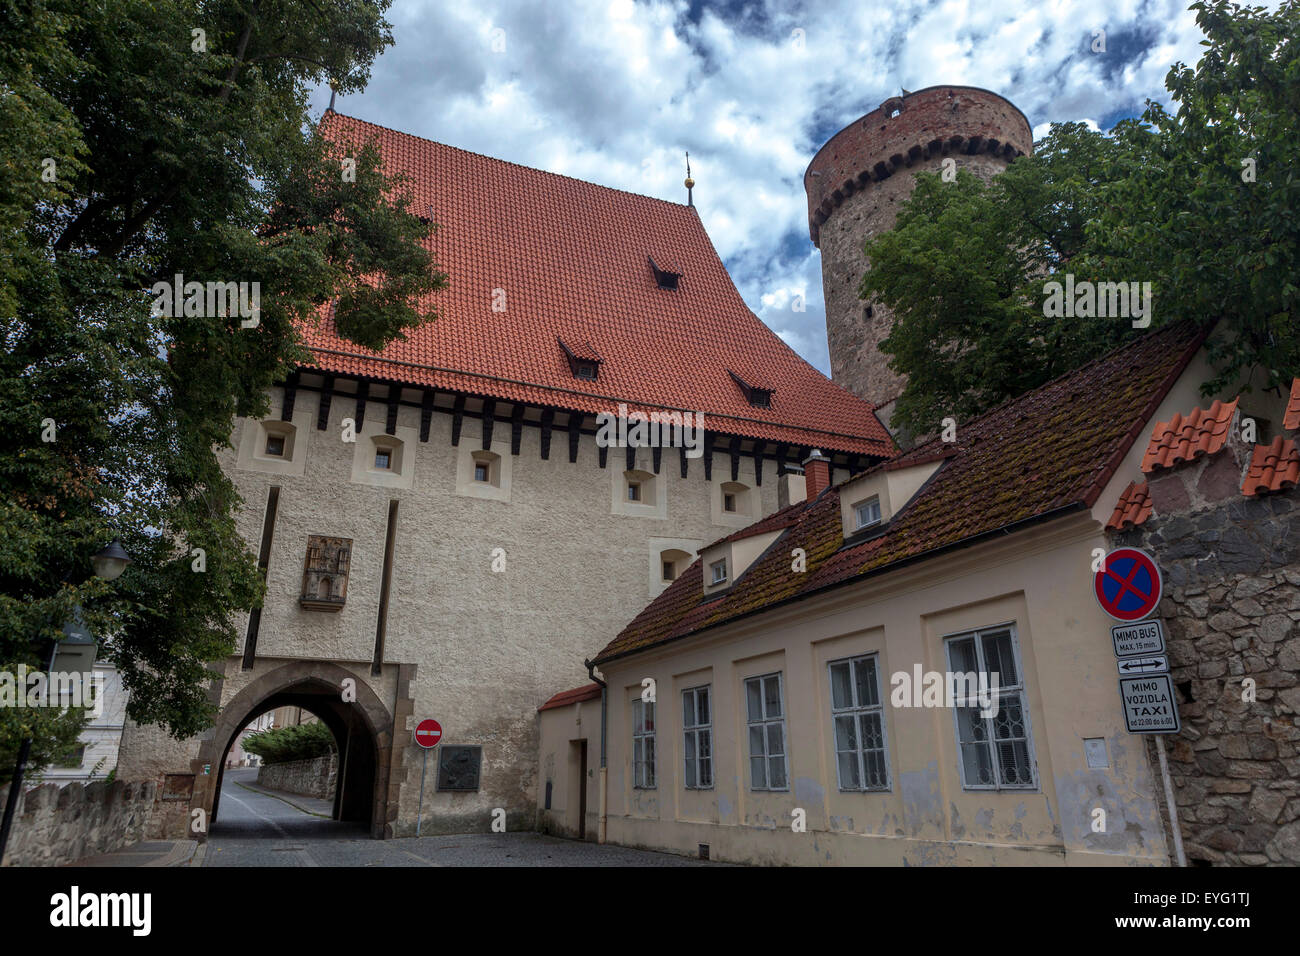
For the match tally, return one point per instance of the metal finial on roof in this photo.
(689, 183)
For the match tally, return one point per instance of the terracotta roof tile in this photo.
(1292, 420)
(1274, 467)
(1181, 439)
(571, 257)
(577, 695)
(1052, 449)
(1132, 509)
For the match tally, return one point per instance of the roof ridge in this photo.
(1105, 356)
(507, 162)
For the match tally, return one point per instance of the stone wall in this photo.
(313, 778)
(1231, 609)
(57, 825)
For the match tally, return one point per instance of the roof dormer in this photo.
(725, 561)
(584, 361)
(664, 278)
(757, 395)
(869, 502)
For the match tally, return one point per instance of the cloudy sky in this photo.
(615, 92)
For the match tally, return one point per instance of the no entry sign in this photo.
(1128, 584)
(428, 732)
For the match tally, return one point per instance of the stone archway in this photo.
(363, 729)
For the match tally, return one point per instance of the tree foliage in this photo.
(1161, 199)
(299, 742)
(145, 139)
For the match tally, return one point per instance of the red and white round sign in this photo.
(428, 732)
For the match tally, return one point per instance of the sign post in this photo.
(427, 734)
(1128, 588)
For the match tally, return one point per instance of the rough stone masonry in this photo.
(1231, 607)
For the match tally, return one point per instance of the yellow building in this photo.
(800, 694)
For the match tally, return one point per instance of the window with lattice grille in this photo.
(766, 712)
(995, 748)
(858, 724)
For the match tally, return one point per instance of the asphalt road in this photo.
(256, 829)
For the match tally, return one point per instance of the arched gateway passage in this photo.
(361, 728)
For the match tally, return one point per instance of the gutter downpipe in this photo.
(604, 802)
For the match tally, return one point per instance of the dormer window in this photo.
(718, 572)
(867, 513)
(664, 278)
(756, 395)
(584, 361)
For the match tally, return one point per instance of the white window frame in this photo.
(765, 721)
(1018, 690)
(693, 729)
(858, 711)
(857, 513)
(713, 572)
(643, 767)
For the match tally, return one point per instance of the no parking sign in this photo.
(1128, 585)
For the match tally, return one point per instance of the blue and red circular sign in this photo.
(1128, 585)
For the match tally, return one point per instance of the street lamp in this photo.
(109, 563)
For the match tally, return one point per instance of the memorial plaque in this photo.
(458, 767)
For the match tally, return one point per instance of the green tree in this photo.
(963, 269)
(1167, 199)
(179, 141)
(299, 742)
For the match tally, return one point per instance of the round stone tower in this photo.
(855, 184)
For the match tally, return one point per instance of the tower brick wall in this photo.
(855, 184)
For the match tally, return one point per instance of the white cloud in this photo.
(616, 92)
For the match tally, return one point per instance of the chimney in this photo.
(817, 473)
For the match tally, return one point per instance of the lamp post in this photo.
(108, 563)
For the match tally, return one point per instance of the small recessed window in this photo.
(868, 512)
(586, 370)
(670, 572)
(718, 571)
(634, 491)
(893, 114)
(383, 459)
(729, 503)
(275, 445)
(482, 471)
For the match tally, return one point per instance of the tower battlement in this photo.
(855, 184)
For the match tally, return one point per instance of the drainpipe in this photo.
(604, 803)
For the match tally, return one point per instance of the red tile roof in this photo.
(1274, 467)
(1132, 509)
(575, 696)
(1050, 451)
(1203, 432)
(572, 258)
(1292, 420)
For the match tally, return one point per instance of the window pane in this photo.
(638, 725)
(688, 709)
(841, 690)
(706, 773)
(961, 655)
(975, 760)
(998, 658)
(650, 760)
(690, 760)
(875, 769)
(775, 738)
(1010, 720)
(754, 698)
(772, 695)
(776, 773)
(705, 742)
(846, 736)
(702, 704)
(865, 672)
(872, 734)
(649, 717)
(757, 776)
(756, 741)
(848, 764)
(1013, 764)
(970, 726)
